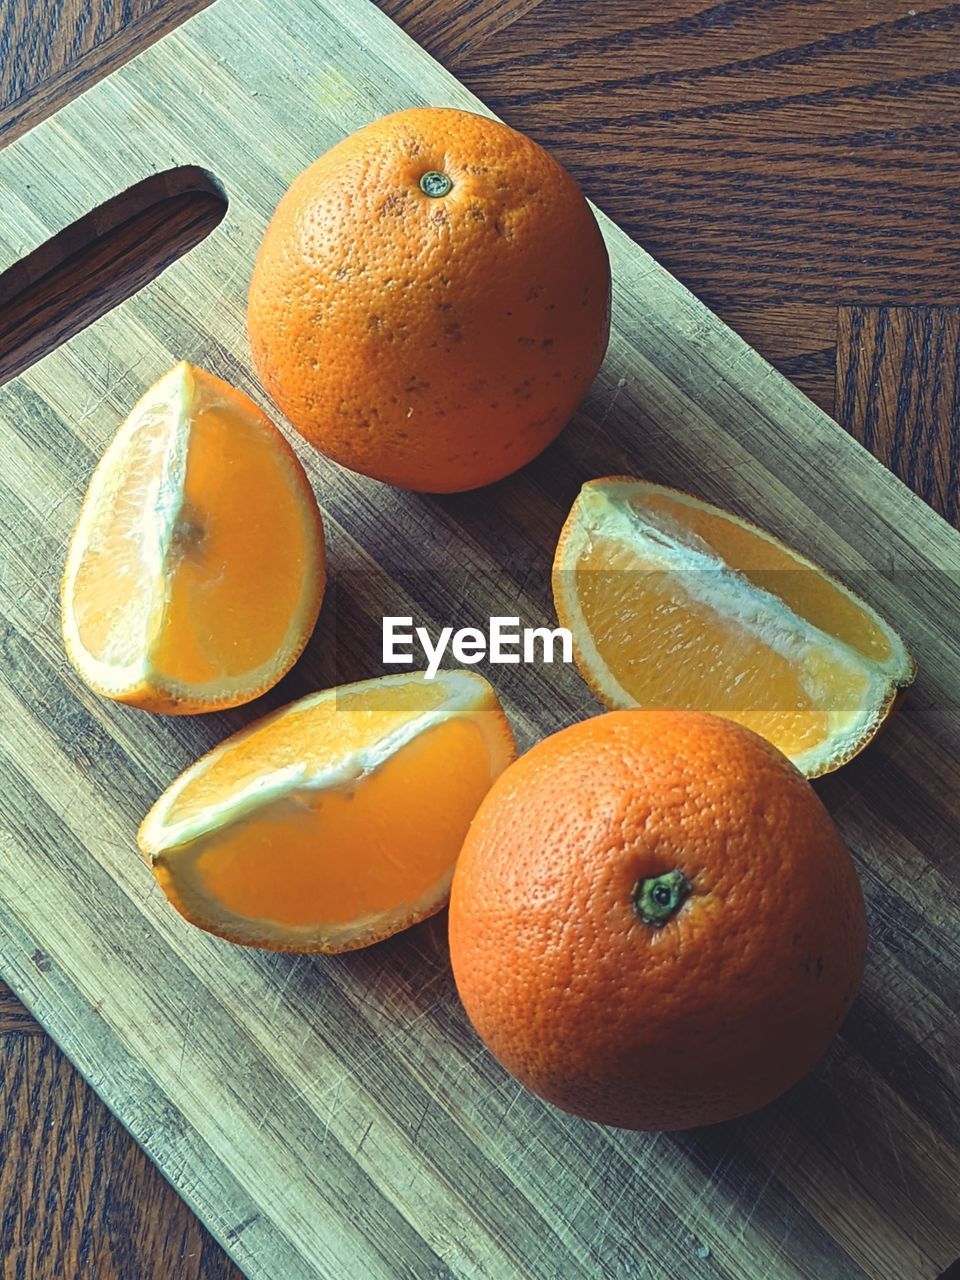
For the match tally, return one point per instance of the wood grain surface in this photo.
(78, 1198)
(814, 216)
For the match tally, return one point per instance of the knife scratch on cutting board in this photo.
(600, 423)
(517, 1095)
(115, 378)
(187, 1031)
(364, 1136)
(333, 1107)
(894, 1144)
(775, 1161)
(284, 984)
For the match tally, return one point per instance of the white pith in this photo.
(603, 511)
(181, 843)
(173, 401)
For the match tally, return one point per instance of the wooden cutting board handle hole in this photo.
(104, 257)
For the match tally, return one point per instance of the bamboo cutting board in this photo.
(335, 1117)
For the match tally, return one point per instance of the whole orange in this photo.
(654, 922)
(431, 300)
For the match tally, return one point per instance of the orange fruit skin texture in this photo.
(434, 343)
(708, 1017)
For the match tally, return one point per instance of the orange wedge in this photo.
(196, 570)
(335, 821)
(672, 602)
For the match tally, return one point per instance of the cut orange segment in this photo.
(672, 602)
(335, 821)
(196, 570)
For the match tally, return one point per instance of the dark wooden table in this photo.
(794, 163)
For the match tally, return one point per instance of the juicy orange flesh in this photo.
(314, 735)
(340, 855)
(112, 597)
(665, 647)
(231, 596)
(774, 568)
